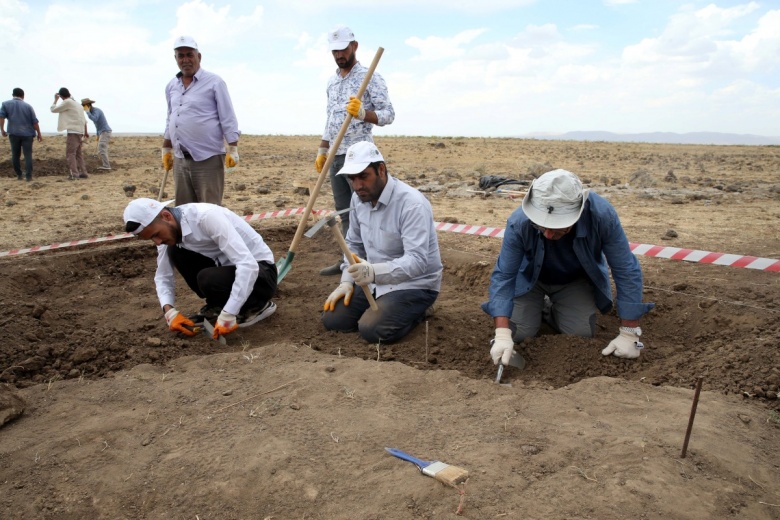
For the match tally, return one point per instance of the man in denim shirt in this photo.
(392, 228)
(102, 130)
(558, 245)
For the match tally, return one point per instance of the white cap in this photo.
(143, 211)
(555, 200)
(358, 157)
(340, 37)
(185, 41)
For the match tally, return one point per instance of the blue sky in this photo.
(453, 67)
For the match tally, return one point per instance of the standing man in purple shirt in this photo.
(200, 120)
(22, 128)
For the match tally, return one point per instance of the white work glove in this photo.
(226, 323)
(167, 159)
(503, 346)
(322, 157)
(625, 345)
(361, 271)
(344, 290)
(231, 158)
(179, 323)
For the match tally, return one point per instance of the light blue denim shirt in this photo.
(399, 237)
(96, 116)
(599, 243)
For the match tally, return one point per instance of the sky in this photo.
(471, 68)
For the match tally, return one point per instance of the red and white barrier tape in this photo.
(672, 253)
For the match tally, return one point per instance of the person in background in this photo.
(102, 130)
(71, 119)
(554, 260)
(220, 256)
(22, 129)
(394, 237)
(373, 109)
(200, 119)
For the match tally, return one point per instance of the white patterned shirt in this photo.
(375, 99)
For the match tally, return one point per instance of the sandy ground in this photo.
(122, 419)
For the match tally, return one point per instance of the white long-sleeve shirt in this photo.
(219, 234)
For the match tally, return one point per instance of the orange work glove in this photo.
(355, 107)
(226, 323)
(177, 322)
(167, 159)
(322, 156)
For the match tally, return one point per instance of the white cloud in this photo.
(436, 48)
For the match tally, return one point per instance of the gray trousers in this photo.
(199, 181)
(573, 310)
(103, 140)
(342, 191)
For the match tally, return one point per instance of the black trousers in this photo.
(214, 283)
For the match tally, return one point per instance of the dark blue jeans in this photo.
(399, 312)
(19, 144)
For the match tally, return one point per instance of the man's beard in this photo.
(348, 62)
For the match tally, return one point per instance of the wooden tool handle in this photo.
(162, 186)
(334, 146)
(345, 248)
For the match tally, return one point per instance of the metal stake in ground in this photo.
(690, 419)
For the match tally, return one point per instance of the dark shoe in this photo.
(205, 313)
(18, 177)
(83, 176)
(333, 270)
(28, 179)
(251, 317)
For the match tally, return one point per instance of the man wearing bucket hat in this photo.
(200, 120)
(557, 249)
(102, 130)
(392, 229)
(374, 108)
(220, 256)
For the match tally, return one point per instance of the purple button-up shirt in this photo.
(200, 117)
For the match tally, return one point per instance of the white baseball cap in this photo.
(359, 156)
(143, 211)
(340, 37)
(555, 200)
(185, 41)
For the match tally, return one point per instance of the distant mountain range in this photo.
(661, 137)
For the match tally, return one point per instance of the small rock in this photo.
(153, 341)
(38, 311)
(330, 369)
(262, 190)
(295, 406)
(670, 233)
(85, 197)
(744, 418)
(240, 187)
(227, 392)
(11, 404)
(84, 354)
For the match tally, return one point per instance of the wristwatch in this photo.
(632, 330)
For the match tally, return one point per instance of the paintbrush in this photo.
(444, 473)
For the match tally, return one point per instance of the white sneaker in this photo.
(253, 317)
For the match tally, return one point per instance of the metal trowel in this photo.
(515, 360)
